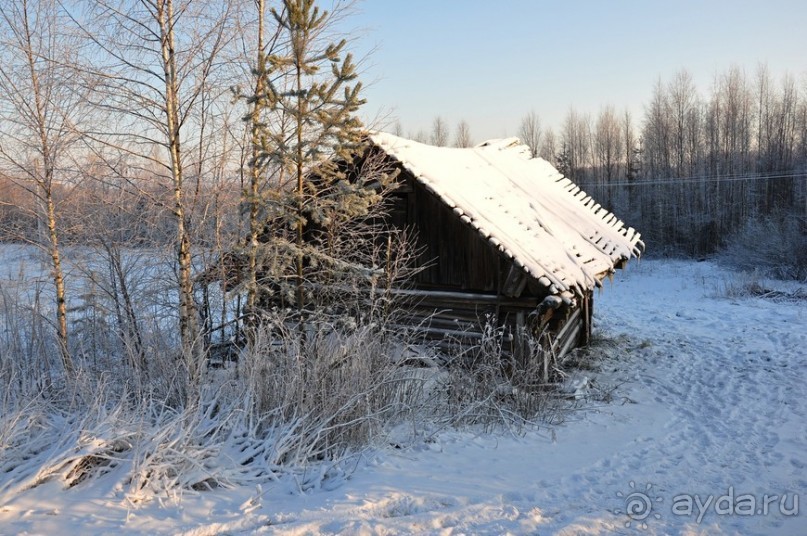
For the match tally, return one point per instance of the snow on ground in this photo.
(706, 432)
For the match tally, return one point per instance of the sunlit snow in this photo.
(707, 398)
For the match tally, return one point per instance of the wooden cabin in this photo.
(504, 239)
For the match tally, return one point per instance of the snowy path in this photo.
(714, 402)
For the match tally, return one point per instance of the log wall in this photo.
(465, 282)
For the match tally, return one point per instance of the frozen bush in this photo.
(775, 246)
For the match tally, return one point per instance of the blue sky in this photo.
(490, 63)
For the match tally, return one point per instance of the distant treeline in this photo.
(702, 167)
(695, 168)
(689, 173)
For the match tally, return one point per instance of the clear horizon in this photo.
(491, 65)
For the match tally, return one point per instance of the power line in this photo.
(674, 181)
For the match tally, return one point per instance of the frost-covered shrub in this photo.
(775, 246)
(340, 380)
(297, 403)
(743, 284)
(488, 386)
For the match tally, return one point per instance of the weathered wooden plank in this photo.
(587, 317)
(520, 346)
(514, 282)
(574, 319)
(442, 297)
(569, 342)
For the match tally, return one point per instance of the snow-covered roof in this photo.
(523, 206)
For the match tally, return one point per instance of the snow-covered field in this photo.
(705, 432)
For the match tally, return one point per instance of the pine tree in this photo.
(311, 95)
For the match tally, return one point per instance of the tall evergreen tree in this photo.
(310, 88)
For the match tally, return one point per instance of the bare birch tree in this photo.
(765, 116)
(682, 100)
(154, 60)
(462, 137)
(39, 109)
(657, 133)
(608, 144)
(530, 132)
(577, 143)
(736, 101)
(549, 147)
(440, 134)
